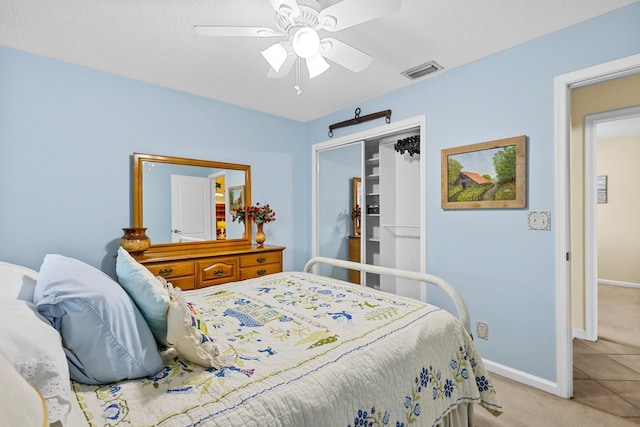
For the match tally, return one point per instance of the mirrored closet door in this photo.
(392, 210)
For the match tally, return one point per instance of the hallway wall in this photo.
(618, 231)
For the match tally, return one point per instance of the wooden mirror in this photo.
(188, 202)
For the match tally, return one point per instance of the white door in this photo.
(191, 213)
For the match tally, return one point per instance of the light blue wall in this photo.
(505, 272)
(67, 133)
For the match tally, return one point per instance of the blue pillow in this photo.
(105, 337)
(148, 292)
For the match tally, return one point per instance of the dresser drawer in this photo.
(172, 270)
(259, 271)
(260, 258)
(215, 271)
(184, 283)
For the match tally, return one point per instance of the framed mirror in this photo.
(187, 202)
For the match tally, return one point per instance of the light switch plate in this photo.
(539, 220)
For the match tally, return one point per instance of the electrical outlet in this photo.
(482, 330)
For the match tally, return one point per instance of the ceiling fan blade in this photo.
(284, 6)
(348, 13)
(284, 69)
(344, 55)
(226, 31)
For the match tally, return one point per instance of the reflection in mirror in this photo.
(356, 205)
(183, 200)
(336, 168)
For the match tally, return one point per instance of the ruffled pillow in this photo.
(34, 349)
(189, 334)
(21, 404)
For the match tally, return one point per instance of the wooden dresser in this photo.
(354, 255)
(199, 268)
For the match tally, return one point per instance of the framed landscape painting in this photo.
(236, 197)
(486, 175)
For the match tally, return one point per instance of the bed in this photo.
(298, 349)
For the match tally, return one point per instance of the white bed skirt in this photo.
(461, 416)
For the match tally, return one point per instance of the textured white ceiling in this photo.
(154, 41)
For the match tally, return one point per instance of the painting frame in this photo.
(236, 197)
(474, 187)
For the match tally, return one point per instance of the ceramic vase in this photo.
(135, 240)
(260, 237)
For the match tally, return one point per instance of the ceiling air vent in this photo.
(421, 70)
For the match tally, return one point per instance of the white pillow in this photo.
(17, 282)
(147, 291)
(34, 348)
(188, 333)
(20, 403)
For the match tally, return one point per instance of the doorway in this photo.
(566, 254)
(606, 125)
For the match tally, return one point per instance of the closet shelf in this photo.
(374, 175)
(373, 214)
(374, 239)
(373, 160)
(373, 194)
(399, 226)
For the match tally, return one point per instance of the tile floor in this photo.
(606, 376)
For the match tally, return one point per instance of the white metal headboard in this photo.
(461, 307)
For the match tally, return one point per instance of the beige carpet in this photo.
(619, 314)
(526, 406)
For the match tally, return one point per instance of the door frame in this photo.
(563, 85)
(377, 132)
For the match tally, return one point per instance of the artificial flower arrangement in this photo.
(258, 214)
(355, 212)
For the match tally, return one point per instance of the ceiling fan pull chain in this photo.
(297, 87)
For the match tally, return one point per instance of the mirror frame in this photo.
(139, 158)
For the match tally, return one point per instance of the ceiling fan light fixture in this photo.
(275, 56)
(306, 42)
(316, 65)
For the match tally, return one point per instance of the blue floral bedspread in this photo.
(303, 350)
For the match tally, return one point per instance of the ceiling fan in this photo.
(300, 21)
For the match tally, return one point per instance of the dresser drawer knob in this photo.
(218, 273)
(262, 272)
(261, 259)
(166, 271)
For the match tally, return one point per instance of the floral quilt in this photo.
(304, 350)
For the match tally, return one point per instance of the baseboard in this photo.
(579, 333)
(522, 377)
(617, 283)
